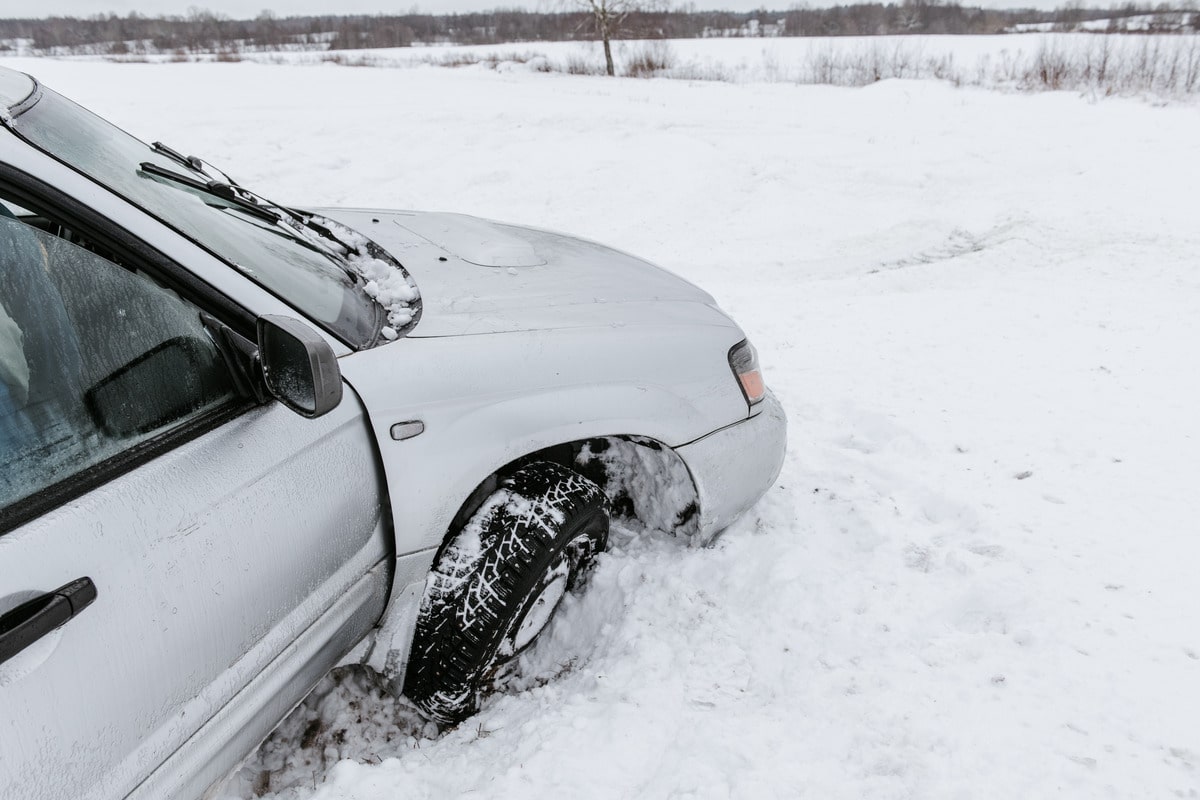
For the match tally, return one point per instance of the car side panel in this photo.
(215, 750)
(210, 561)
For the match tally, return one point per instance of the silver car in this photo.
(243, 443)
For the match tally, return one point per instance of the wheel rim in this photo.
(545, 602)
(546, 596)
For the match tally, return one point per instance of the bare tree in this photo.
(608, 17)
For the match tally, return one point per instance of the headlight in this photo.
(743, 360)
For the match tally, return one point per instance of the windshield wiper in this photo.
(218, 189)
(191, 162)
(244, 200)
(298, 217)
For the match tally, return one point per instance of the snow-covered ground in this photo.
(976, 576)
(1106, 64)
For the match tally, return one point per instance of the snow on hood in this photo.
(477, 276)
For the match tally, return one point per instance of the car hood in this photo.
(477, 276)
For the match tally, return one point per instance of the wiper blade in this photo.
(191, 162)
(243, 200)
(309, 220)
(218, 189)
(299, 218)
(303, 221)
(196, 164)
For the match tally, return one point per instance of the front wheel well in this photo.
(645, 481)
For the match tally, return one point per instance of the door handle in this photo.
(32, 620)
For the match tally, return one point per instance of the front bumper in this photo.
(734, 466)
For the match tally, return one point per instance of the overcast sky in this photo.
(249, 8)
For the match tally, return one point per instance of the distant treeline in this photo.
(207, 31)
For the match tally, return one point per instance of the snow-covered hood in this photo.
(477, 276)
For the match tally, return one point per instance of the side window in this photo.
(94, 358)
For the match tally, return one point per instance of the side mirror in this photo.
(156, 388)
(299, 367)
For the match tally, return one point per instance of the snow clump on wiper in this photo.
(390, 288)
(385, 283)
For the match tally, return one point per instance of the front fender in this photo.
(485, 401)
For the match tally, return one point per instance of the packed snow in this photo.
(387, 285)
(975, 576)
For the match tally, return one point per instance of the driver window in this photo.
(94, 358)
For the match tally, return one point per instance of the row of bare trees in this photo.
(201, 30)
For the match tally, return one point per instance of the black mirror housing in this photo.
(299, 367)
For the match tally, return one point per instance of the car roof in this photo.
(15, 87)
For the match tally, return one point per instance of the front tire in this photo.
(497, 584)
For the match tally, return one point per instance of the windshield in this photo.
(319, 284)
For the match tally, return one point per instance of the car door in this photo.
(208, 557)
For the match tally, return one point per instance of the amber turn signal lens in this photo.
(753, 386)
(743, 360)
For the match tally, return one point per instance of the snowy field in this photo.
(786, 59)
(976, 576)
(1102, 64)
